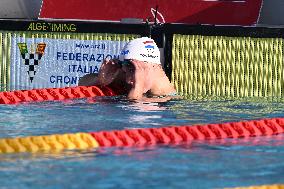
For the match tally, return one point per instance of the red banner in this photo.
(218, 12)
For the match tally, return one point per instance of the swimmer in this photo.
(138, 72)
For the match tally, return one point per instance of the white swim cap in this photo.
(143, 49)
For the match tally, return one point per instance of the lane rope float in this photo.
(18, 96)
(143, 136)
(274, 186)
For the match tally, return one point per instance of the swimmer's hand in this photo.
(108, 71)
(143, 79)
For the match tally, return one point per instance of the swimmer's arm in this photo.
(108, 72)
(89, 80)
(136, 93)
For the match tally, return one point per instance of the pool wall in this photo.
(201, 60)
(226, 61)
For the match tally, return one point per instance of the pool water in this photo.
(200, 164)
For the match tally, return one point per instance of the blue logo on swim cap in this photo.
(149, 47)
(124, 52)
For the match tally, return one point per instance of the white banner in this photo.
(47, 63)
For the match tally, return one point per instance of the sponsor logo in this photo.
(31, 58)
(149, 46)
(124, 52)
(52, 27)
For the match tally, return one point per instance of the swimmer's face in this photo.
(129, 70)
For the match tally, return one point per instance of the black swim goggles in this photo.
(125, 62)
